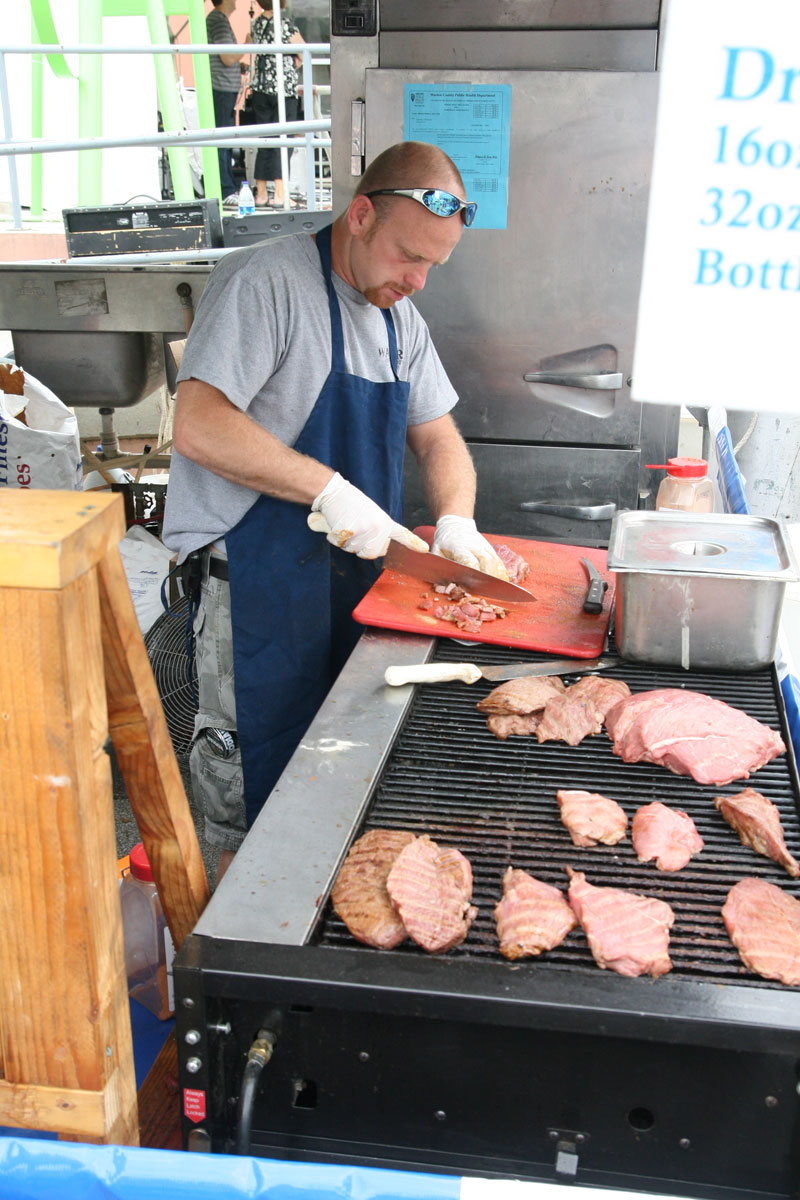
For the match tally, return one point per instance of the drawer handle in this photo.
(581, 512)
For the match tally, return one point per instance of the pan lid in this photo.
(725, 544)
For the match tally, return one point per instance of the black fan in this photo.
(165, 642)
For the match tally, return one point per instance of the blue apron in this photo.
(292, 593)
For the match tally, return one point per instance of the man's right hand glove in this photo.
(356, 523)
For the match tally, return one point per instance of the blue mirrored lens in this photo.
(441, 203)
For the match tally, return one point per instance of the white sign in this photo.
(719, 309)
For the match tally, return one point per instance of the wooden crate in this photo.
(72, 671)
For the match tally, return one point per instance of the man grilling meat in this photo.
(306, 373)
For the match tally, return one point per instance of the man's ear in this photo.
(360, 216)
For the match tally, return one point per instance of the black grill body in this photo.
(546, 1068)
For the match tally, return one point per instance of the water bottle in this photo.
(149, 949)
(247, 202)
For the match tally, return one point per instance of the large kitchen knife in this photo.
(433, 569)
(470, 673)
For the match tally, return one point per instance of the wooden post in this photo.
(69, 657)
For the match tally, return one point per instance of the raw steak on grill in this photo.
(431, 889)
(532, 916)
(518, 569)
(691, 734)
(521, 696)
(666, 834)
(503, 726)
(763, 922)
(592, 818)
(359, 894)
(626, 932)
(758, 823)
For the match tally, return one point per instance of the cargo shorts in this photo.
(217, 783)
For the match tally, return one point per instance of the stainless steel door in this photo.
(554, 294)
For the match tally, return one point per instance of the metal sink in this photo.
(96, 335)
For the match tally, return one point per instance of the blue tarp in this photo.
(35, 1170)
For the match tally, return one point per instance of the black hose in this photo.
(258, 1056)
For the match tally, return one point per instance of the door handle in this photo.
(608, 381)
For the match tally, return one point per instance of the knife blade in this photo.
(597, 588)
(433, 569)
(470, 673)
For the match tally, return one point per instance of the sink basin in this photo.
(96, 335)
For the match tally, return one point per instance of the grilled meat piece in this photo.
(626, 932)
(592, 818)
(603, 693)
(522, 696)
(502, 726)
(431, 890)
(518, 569)
(359, 894)
(758, 823)
(763, 922)
(568, 719)
(691, 734)
(532, 916)
(668, 835)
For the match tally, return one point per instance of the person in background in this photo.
(263, 86)
(310, 418)
(226, 79)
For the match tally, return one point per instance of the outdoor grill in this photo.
(546, 1068)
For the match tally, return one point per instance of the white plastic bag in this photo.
(147, 562)
(39, 442)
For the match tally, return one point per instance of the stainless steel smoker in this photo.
(535, 323)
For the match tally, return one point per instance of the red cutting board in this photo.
(555, 623)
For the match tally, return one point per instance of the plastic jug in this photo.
(686, 487)
(149, 949)
(247, 201)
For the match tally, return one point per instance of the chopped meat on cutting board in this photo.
(359, 895)
(518, 569)
(691, 734)
(592, 818)
(668, 835)
(431, 889)
(763, 922)
(454, 604)
(504, 726)
(626, 932)
(522, 696)
(758, 823)
(532, 916)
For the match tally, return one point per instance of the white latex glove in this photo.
(356, 523)
(457, 538)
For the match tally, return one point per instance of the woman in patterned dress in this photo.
(263, 85)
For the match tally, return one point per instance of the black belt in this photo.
(218, 567)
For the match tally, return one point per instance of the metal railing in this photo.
(313, 133)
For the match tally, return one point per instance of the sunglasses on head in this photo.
(441, 204)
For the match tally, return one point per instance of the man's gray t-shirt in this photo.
(218, 31)
(262, 336)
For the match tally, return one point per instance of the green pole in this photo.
(171, 116)
(90, 104)
(43, 30)
(205, 100)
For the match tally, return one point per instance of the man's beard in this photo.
(376, 295)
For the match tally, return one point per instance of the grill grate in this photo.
(449, 777)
